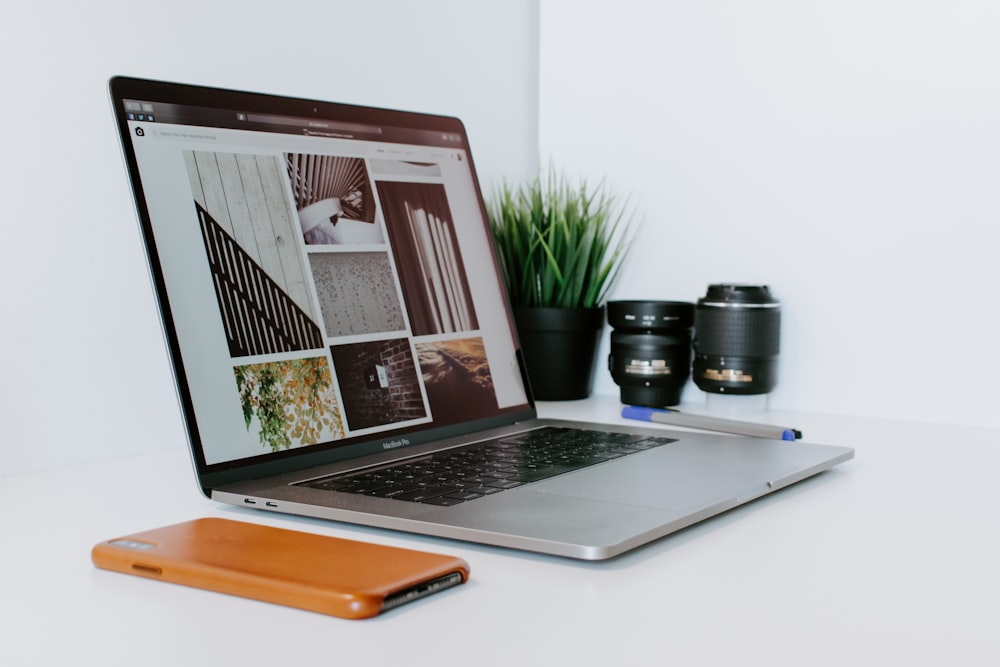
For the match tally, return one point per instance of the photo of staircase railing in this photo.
(259, 317)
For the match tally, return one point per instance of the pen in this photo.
(675, 418)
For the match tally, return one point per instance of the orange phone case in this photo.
(324, 574)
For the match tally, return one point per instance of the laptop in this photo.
(343, 346)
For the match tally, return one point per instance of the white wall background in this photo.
(84, 372)
(845, 153)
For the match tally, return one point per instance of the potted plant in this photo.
(560, 246)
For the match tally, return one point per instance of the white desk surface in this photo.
(890, 559)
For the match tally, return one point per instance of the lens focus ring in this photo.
(738, 332)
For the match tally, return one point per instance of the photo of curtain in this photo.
(430, 266)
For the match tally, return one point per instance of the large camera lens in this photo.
(650, 356)
(737, 340)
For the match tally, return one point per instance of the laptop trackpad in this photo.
(662, 478)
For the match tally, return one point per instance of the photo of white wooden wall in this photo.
(252, 245)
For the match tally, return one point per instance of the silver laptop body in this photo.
(331, 305)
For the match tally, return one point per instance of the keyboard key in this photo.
(424, 494)
(504, 483)
(463, 495)
(445, 501)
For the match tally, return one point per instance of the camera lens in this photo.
(737, 340)
(650, 356)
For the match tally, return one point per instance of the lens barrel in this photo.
(650, 356)
(737, 340)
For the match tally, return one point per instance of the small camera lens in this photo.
(737, 340)
(650, 356)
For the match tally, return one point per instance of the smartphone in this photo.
(329, 575)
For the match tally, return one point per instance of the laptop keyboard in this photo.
(473, 471)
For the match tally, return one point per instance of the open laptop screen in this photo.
(325, 272)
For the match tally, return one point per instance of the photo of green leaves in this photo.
(291, 402)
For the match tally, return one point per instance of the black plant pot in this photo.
(560, 350)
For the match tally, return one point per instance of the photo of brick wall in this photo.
(379, 383)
